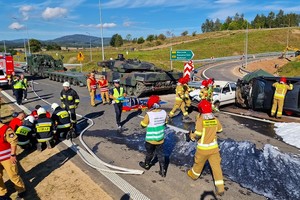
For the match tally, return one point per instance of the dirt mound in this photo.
(270, 65)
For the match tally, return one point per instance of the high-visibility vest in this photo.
(93, 83)
(103, 85)
(5, 148)
(22, 133)
(25, 83)
(43, 129)
(117, 95)
(155, 130)
(64, 119)
(18, 85)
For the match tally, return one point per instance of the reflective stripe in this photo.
(280, 96)
(195, 172)
(70, 98)
(63, 114)
(219, 182)
(143, 124)
(71, 106)
(64, 126)
(5, 156)
(212, 145)
(178, 99)
(185, 113)
(44, 124)
(198, 133)
(23, 143)
(44, 139)
(77, 100)
(5, 151)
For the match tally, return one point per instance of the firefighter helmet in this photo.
(210, 81)
(41, 111)
(54, 106)
(66, 84)
(182, 80)
(283, 79)
(154, 99)
(205, 83)
(30, 119)
(205, 107)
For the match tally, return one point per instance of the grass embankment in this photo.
(292, 69)
(217, 44)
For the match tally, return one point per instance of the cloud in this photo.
(227, 1)
(16, 26)
(105, 25)
(25, 9)
(51, 13)
(128, 23)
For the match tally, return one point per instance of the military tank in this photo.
(46, 66)
(137, 77)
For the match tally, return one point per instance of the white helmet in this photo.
(30, 118)
(41, 111)
(54, 106)
(66, 84)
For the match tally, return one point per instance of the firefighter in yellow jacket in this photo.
(8, 162)
(207, 126)
(278, 100)
(92, 86)
(180, 101)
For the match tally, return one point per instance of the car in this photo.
(3, 78)
(224, 93)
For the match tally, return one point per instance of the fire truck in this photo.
(6, 68)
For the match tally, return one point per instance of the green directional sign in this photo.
(181, 55)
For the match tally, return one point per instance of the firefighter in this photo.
(25, 86)
(180, 101)
(187, 91)
(204, 90)
(154, 122)
(25, 132)
(70, 100)
(18, 89)
(43, 129)
(210, 90)
(17, 121)
(35, 115)
(92, 86)
(117, 94)
(279, 95)
(61, 120)
(207, 125)
(8, 162)
(103, 85)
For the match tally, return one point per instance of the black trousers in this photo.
(73, 115)
(19, 95)
(25, 93)
(152, 149)
(118, 110)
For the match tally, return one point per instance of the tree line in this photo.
(239, 22)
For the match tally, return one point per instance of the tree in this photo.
(116, 40)
(194, 33)
(150, 38)
(35, 45)
(184, 33)
(217, 25)
(140, 40)
(161, 37)
(53, 46)
(128, 37)
(271, 20)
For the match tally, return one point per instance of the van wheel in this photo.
(217, 105)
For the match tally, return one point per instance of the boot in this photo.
(162, 170)
(48, 143)
(145, 165)
(39, 146)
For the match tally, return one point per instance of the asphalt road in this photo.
(127, 149)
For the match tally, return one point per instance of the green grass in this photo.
(292, 69)
(217, 44)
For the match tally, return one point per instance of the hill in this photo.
(76, 40)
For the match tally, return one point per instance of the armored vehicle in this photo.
(138, 77)
(46, 66)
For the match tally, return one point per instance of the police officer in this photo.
(117, 94)
(25, 85)
(18, 90)
(8, 161)
(43, 129)
(92, 86)
(25, 132)
(70, 100)
(207, 125)
(154, 122)
(61, 120)
(281, 89)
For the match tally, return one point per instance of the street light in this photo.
(91, 58)
(100, 13)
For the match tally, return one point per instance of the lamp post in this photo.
(100, 13)
(91, 57)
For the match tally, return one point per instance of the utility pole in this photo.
(4, 46)
(100, 13)
(246, 48)
(91, 57)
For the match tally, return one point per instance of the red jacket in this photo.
(5, 148)
(15, 123)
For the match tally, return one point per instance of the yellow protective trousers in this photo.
(12, 172)
(105, 97)
(277, 105)
(93, 94)
(215, 164)
(178, 104)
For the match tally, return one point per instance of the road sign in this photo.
(181, 55)
(80, 56)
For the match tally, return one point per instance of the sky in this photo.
(49, 19)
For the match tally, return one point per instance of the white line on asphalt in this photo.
(248, 117)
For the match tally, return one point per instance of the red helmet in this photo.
(187, 79)
(182, 80)
(204, 107)
(152, 100)
(283, 79)
(205, 83)
(210, 81)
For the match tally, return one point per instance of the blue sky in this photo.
(49, 19)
